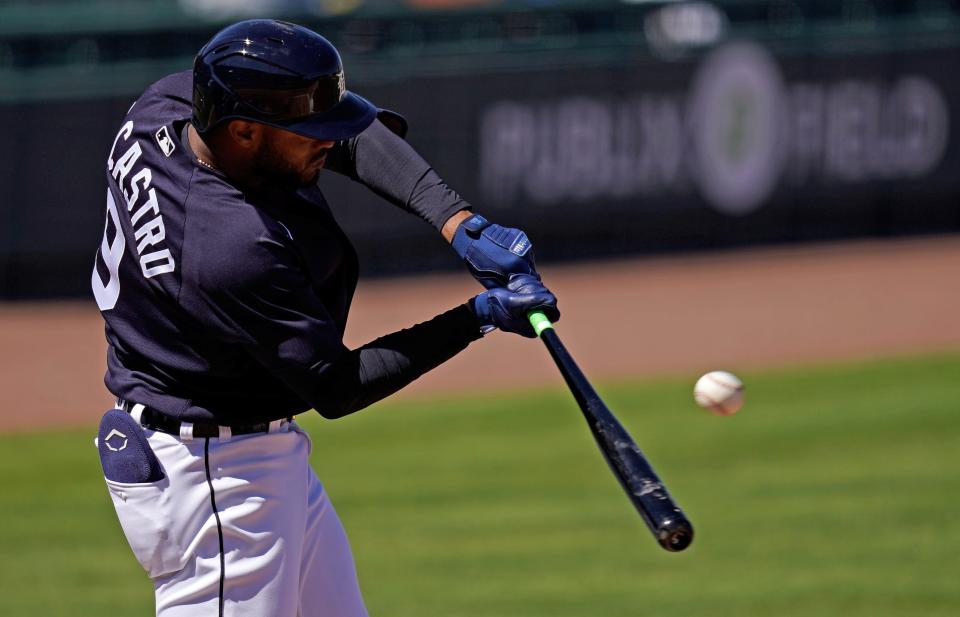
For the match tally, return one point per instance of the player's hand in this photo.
(507, 307)
(493, 253)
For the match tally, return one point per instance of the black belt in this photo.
(159, 421)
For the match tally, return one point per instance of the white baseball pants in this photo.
(240, 526)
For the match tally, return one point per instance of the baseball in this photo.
(720, 392)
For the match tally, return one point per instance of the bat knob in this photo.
(674, 534)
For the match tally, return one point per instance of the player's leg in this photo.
(238, 526)
(168, 522)
(330, 587)
(257, 502)
(222, 533)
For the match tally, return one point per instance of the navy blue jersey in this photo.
(226, 305)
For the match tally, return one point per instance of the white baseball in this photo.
(720, 392)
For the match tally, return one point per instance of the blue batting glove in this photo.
(493, 253)
(507, 307)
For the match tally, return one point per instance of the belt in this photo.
(154, 420)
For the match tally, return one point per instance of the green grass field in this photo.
(833, 493)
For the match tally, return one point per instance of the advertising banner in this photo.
(732, 147)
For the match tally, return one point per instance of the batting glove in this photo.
(507, 307)
(493, 253)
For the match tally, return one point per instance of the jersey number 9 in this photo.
(107, 263)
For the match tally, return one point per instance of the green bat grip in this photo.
(539, 322)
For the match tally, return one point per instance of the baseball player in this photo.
(225, 284)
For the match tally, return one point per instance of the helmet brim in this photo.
(348, 118)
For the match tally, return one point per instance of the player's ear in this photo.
(245, 134)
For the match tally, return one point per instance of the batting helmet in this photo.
(279, 74)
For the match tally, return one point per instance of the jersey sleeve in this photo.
(386, 164)
(264, 301)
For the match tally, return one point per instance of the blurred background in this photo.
(765, 186)
(603, 127)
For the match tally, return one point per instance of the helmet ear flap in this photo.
(201, 109)
(212, 101)
(210, 106)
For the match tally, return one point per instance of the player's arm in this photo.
(360, 377)
(363, 376)
(265, 302)
(383, 161)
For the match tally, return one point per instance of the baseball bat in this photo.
(666, 521)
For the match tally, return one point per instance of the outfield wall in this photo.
(607, 147)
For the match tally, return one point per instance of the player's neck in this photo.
(201, 151)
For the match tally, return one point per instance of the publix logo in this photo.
(740, 131)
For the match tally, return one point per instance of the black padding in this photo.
(125, 454)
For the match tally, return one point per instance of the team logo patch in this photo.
(125, 453)
(115, 441)
(166, 144)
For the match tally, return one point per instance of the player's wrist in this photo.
(467, 232)
(479, 307)
(453, 223)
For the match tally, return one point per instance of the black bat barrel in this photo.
(649, 496)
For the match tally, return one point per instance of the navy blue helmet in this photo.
(280, 74)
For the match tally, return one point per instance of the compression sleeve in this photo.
(390, 167)
(363, 376)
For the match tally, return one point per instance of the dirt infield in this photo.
(660, 316)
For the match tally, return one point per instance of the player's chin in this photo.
(312, 171)
(309, 176)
